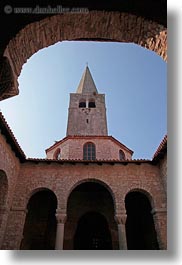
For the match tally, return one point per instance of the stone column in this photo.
(160, 221)
(121, 220)
(61, 218)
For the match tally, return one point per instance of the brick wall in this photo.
(119, 179)
(163, 170)
(9, 168)
(105, 148)
(96, 25)
(87, 121)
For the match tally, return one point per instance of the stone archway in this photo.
(140, 228)
(40, 224)
(95, 25)
(90, 199)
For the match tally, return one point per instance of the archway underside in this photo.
(90, 218)
(140, 228)
(92, 26)
(40, 224)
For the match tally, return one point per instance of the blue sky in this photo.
(133, 79)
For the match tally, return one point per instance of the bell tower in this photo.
(87, 111)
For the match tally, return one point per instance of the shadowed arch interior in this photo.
(92, 232)
(3, 188)
(40, 224)
(3, 194)
(90, 199)
(140, 229)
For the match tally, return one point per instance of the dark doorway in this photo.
(40, 224)
(92, 233)
(140, 229)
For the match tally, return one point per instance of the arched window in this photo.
(89, 151)
(82, 103)
(57, 154)
(91, 103)
(121, 155)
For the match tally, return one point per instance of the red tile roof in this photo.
(97, 161)
(161, 150)
(6, 131)
(88, 137)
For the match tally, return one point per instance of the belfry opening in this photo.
(90, 219)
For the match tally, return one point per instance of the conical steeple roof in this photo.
(87, 85)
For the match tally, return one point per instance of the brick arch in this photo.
(95, 180)
(95, 25)
(40, 221)
(36, 190)
(151, 223)
(148, 195)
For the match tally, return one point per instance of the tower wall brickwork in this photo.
(87, 120)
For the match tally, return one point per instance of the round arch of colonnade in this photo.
(118, 198)
(63, 214)
(98, 181)
(143, 191)
(63, 197)
(94, 25)
(35, 190)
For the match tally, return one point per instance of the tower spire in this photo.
(87, 85)
(87, 111)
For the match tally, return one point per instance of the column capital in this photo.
(61, 217)
(159, 211)
(19, 209)
(121, 218)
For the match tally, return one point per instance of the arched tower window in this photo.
(91, 103)
(121, 155)
(57, 154)
(82, 103)
(89, 152)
